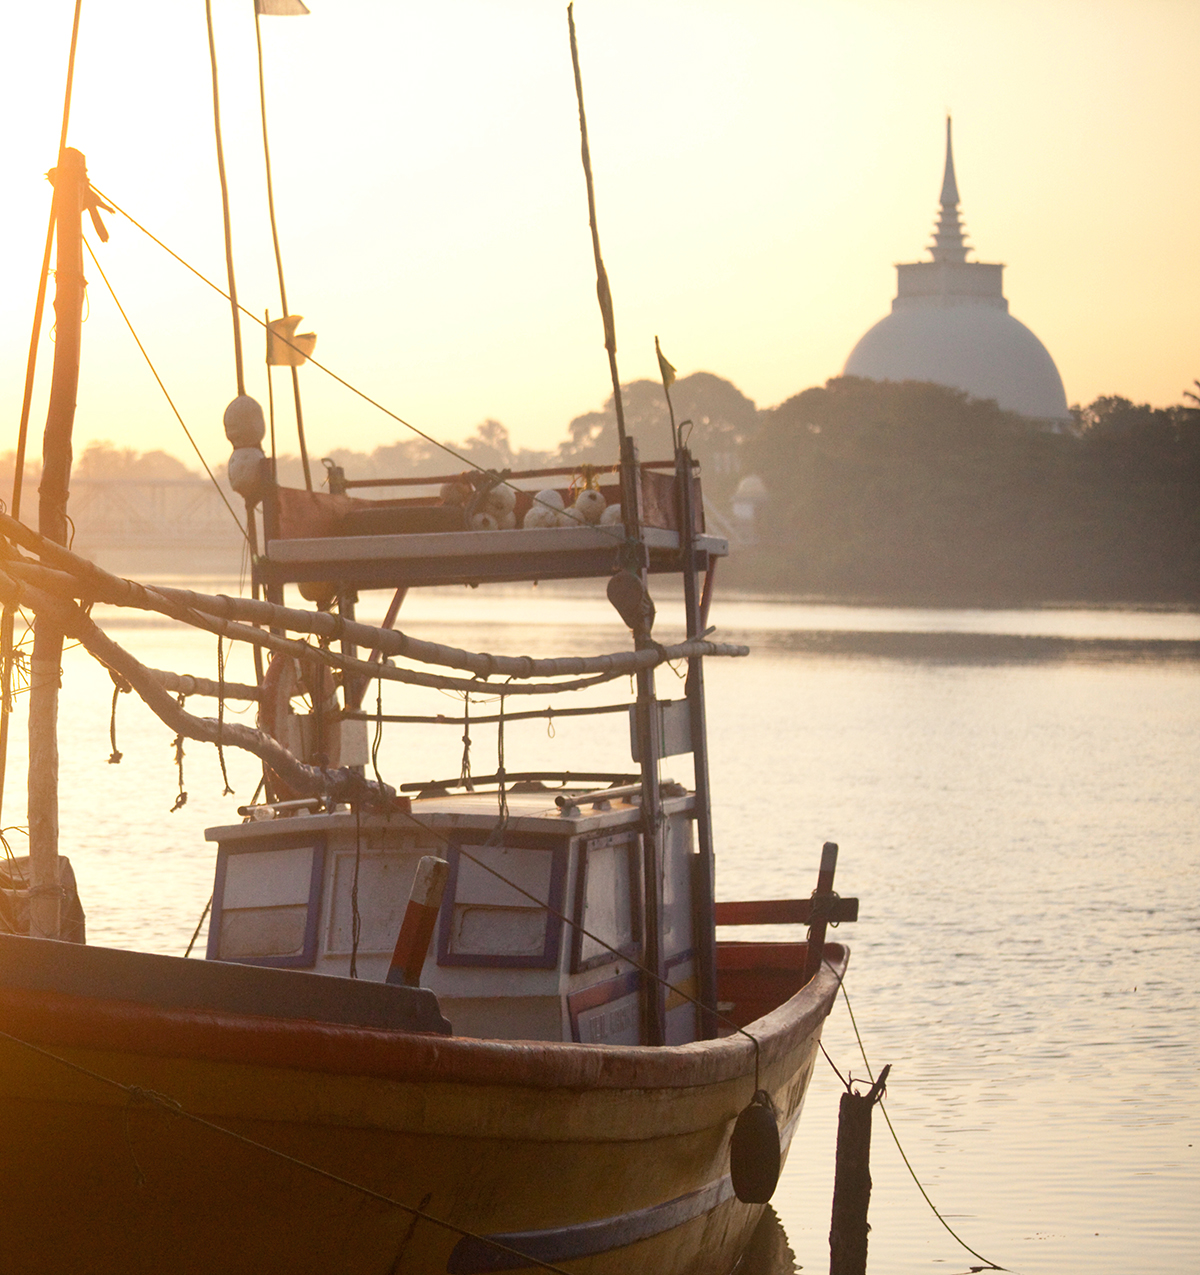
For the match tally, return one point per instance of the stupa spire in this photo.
(948, 241)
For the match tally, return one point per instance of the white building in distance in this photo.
(950, 324)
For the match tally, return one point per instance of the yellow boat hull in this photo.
(143, 1139)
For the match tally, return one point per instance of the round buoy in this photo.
(549, 499)
(502, 499)
(589, 505)
(244, 423)
(540, 516)
(754, 1151)
(248, 473)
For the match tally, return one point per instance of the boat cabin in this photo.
(502, 966)
(553, 910)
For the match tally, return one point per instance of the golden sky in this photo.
(760, 167)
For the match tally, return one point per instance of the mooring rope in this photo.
(988, 1264)
(137, 1094)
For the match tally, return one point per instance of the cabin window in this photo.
(265, 904)
(485, 921)
(384, 884)
(607, 901)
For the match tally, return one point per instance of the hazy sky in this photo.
(760, 167)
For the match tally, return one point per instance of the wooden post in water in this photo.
(70, 189)
(852, 1181)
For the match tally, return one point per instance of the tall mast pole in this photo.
(630, 584)
(70, 191)
(262, 100)
(8, 617)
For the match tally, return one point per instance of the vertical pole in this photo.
(649, 747)
(233, 301)
(7, 620)
(703, 917)
(70, 187)
(419, 923)
(852, 1181)
(634, 560)
(262, 99)
(816, 930)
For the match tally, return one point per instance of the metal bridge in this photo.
(184, 513)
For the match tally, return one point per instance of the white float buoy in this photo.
(484, 521)
(501, 499)
(548, 499)
(248, 473)
(539, 516)
(611, 515)
(244, 423)
(589, 505)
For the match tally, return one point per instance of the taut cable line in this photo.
(262, 100)
(170, 401)
(616, 533)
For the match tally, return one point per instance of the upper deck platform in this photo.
(334, 537)
(471, 557)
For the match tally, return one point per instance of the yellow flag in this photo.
(280, 8)
(668, 372)
(286, 347)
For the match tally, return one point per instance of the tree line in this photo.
(898, 492)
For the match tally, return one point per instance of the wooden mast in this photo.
(70, 189)
(636, 609)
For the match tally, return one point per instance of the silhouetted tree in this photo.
(719, 418)
(917, 492)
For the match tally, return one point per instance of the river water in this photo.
(1016, 799)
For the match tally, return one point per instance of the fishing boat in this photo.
(462, 1024)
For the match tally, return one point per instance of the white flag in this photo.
(285, 346)
(279, 8)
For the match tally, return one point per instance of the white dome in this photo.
(977, 348)
(950, 324)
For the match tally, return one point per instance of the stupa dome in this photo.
(950, 324)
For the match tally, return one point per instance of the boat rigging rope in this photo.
(545, 906)
(137, 1094)
(232, 293)
(464, 771)
(199, 924)
(616, 532)
(75, 577)
(120, 686)
(228, 791)
(48, 584)
(262, 99)
(170, 401)
(988, 1264)
(181, 798)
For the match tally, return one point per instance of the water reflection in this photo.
(769, 1252)
(1021, 828)
(975, 648)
